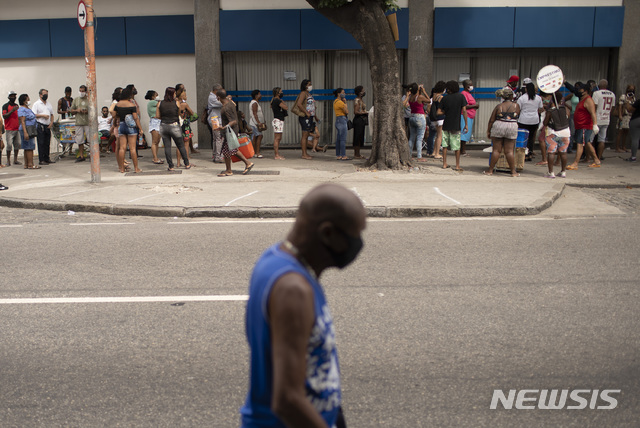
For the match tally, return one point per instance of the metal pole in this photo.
(90, 66)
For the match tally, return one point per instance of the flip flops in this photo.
(594, 165)
(247, 169)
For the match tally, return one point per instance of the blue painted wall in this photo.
(528, 27)
(473, 27)
(264, 30)
(607, 30)
(25, 39)
(558, 27)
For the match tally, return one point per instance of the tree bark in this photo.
(365, 20)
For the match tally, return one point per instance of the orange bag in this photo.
(246, 148)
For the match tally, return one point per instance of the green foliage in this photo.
(385, 4)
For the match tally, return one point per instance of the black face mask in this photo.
(135, 91)
(349, 255)
(45, 97)
(363, 94)
(12, 100)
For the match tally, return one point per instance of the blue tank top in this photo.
(323, 373)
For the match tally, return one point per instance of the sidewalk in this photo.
(274, 188)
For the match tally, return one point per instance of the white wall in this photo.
(146, 72)
(54, 9)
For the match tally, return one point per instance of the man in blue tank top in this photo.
(294, 371)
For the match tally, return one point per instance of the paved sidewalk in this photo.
(274, 188)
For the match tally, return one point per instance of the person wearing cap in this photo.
(512, 82)
(605, 101)
(12, 126)
(64, 104)
(44, 116)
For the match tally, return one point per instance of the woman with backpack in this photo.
(558, 134)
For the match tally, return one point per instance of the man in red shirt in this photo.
(11, 124)
(586, 125)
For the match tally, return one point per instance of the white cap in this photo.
(527, 80)
(12, 93)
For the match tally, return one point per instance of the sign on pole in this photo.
(86, 22)
(550, 79)
(82, 14)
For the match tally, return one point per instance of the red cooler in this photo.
(246, 148)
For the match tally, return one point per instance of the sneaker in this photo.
(562, 174)
(631, 159)
(550, 175)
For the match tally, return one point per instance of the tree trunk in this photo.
(365, 20)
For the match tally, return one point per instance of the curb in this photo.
(539, 205)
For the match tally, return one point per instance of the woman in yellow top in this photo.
(341, 111)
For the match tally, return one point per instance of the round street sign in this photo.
(550, 79)
(82, 14)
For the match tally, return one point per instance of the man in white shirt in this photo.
(44, 118)
(605, 101)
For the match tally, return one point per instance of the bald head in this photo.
(328, 228)
(335, 204)
(603, 84)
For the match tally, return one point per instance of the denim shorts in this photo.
(254, 132)
(127, 130)
(154, 124)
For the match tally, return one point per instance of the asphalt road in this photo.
(433, 316)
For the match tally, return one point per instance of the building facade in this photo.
(261, 44)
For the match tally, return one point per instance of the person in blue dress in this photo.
(27, 122)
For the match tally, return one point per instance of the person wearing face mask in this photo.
(585, 123)
(360, 121)
(280, 111)
(472, 108)
(624, 117)
(28, 131)
(44, 116)
(294, 370)
(80, 108)
(305, 108)
(341, 111)
(12, 124)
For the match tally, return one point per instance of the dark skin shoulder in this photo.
(291, 318)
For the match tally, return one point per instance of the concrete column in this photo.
(206, 19)
(629, 56)
(420, 53)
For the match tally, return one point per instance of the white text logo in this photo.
(555, 399)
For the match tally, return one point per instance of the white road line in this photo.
(237, 199)
(443, 195)
(98, 224)
(358, 195)
(142, 197)
(514, 218)
(10, 225)
(81, 191)
(142, 299)
(284, 220)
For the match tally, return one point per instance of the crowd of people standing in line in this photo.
(580, 118)
(442, 120)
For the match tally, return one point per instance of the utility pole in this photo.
(86, 17)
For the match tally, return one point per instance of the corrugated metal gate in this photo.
(245, 71)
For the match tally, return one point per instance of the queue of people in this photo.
(440, 121)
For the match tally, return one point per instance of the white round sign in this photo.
(550, 79)
(82, 14)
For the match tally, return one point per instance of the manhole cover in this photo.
(258, 172)
(132, 174)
